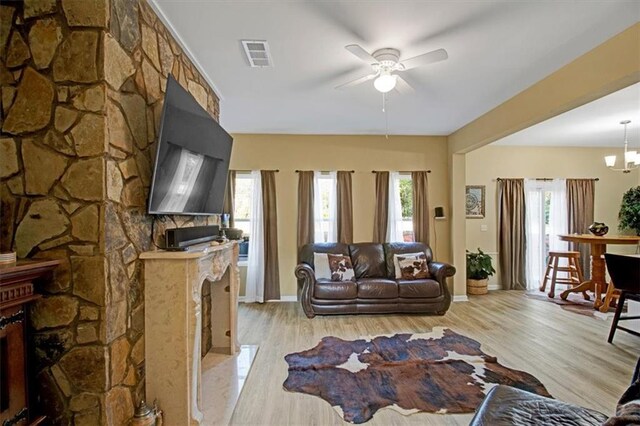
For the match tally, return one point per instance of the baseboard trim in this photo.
(494, 287)
(460, 298)
(292, 298)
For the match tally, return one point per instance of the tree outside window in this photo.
(242, 203)
(406, 203)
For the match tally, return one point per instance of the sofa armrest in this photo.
(505, 405)
(440, 271)
(306, 274)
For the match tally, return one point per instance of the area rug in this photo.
(440, 372)
(574, 303)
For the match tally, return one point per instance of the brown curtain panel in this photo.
(511, 233)
(270, 224)
(305, 208)
(420, 186)
(580, 206)
(381, 214)
(345, 207)
(229, 195)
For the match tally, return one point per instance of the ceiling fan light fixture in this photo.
(385, 83)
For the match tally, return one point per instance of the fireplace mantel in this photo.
(173, 321)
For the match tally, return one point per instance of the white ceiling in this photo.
(496, 49)
(596, 124)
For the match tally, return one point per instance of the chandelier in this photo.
(630, 159)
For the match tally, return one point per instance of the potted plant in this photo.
(629, 215)
(479, 269)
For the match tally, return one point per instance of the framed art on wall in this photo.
(474, 205)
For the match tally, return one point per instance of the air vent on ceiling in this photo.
(257, 53)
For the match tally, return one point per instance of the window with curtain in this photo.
(242, 202)
(400, 218)
(324, 207)
(546, 218)
(254, 291)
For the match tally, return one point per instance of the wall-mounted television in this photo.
(192, 158)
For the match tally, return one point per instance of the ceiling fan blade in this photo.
(357, 50)
(425, 59)
(402, 86)
(357, 81)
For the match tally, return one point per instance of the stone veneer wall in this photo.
(82, 85)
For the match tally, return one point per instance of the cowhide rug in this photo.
(574, 303)
(439, 372)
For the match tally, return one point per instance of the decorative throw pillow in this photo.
(413, 267)
(334, 267)
(628, 410)
(396, 265)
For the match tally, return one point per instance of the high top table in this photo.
(598, 282)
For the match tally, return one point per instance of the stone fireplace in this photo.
(81, 84)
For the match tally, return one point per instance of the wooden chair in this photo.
(572, 270)
(625, 272)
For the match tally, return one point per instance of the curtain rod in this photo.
(348, 171)
(548, 179)
(261, 170)
(399, 171)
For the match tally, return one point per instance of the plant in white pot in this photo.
(479, 269)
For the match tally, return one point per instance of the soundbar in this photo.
(181, 238)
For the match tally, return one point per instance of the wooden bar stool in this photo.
(572, 271)
(610, 297)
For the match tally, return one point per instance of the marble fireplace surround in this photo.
(173, 322)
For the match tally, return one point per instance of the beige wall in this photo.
(484, 165)
(360, 153)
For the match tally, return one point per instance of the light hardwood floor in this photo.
(566, 351)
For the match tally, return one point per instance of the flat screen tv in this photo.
(192, 158)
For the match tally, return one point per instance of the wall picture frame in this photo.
(475, 201)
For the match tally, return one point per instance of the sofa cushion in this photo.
(391, 249)
(368, 260)
(377, 288)
(419, 288)
(335, 290)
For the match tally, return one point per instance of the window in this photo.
(242, 202)
(324, 207)
(546, 217)
(400, 226)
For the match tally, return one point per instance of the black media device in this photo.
(178, 239)
(192, 158)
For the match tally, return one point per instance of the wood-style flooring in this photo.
(566, 351)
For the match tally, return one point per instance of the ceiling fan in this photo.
(385, 64)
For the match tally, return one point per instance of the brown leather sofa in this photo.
(375, 289)
(505, 405)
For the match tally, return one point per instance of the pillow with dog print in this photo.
(413, 267)
(334, 267)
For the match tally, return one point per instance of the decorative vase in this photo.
(477, 287)
(598, 229)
